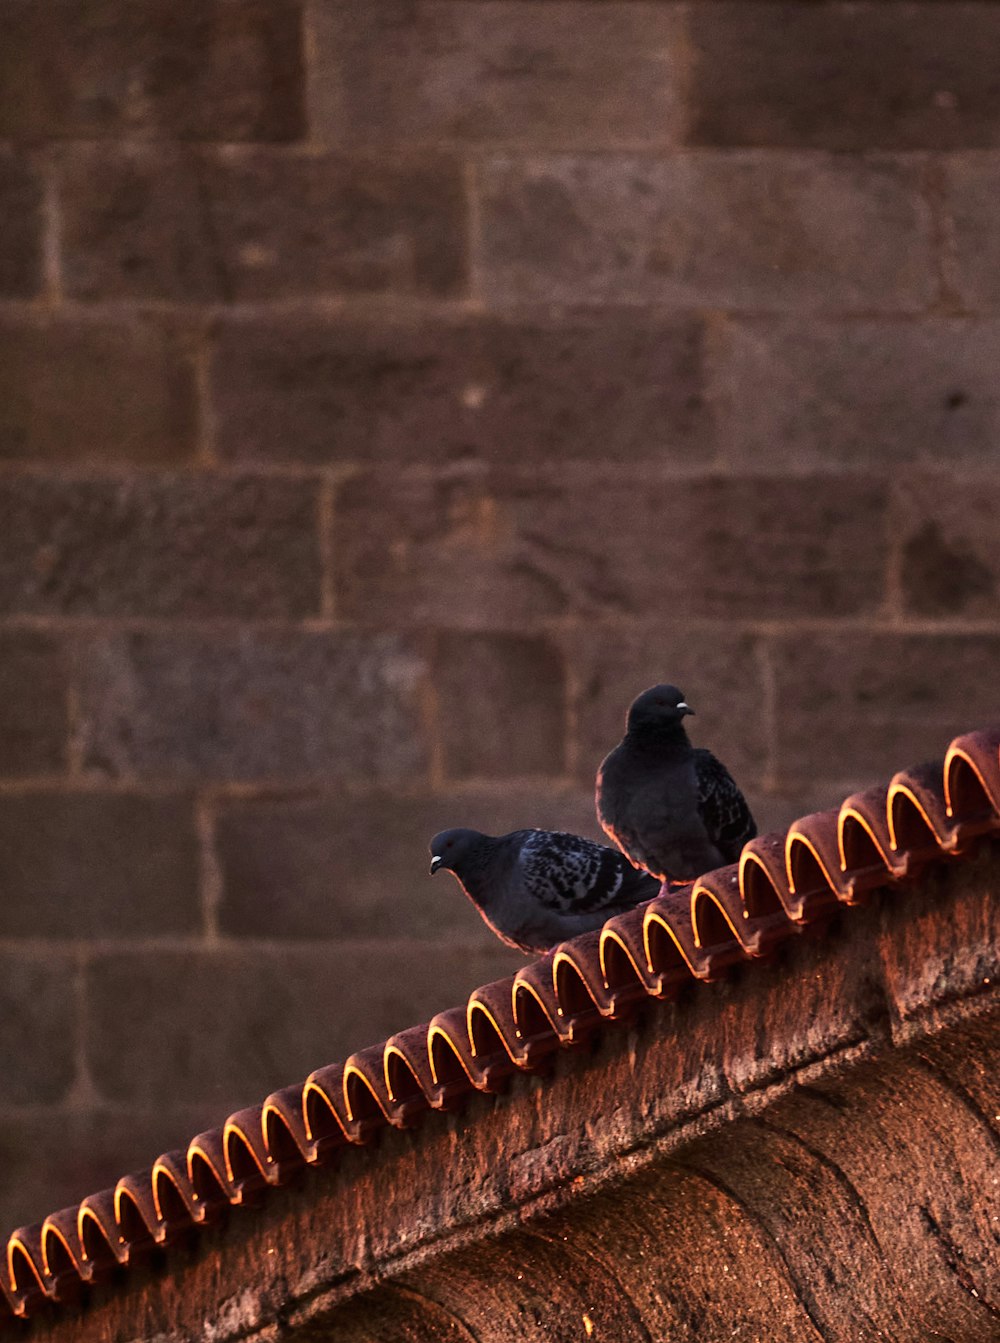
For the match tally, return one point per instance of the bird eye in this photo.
(449, 844)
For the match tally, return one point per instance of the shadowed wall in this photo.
(388, 392)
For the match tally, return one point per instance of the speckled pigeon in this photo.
(673, 809)
(536, 888)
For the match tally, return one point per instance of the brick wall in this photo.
(388, 391)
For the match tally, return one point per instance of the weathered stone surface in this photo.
(21, 207)
(243, 1022)
(971, 185)
(845, 76)
(580, 544)
(950, 547)
(501, 705)
(793, 392)
(853, 703)
(78, 865)
(159, 545)
(224, 70)
(34, 713)
(624, 388)
(37, 1037)
(763, 231)
(274, 704)
(339, 866)
(559, 74)
(73, 390)
(143, 222)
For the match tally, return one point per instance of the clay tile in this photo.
(453, 1066)
(26, 1275)
(917, 808)
(816, 877)
(581, 990)
(764, 876)
(540, 1022)
(99, 1237)
(866, 853)
(497, 1048)
(284, 1123)
(61, 1255)
(135, 1211)
(668, 930)
(207, 1170)
(366, 1095)
(323, 1104)
(408, 1066)
(625, 963)
(719, 917)
(248, 1162)
(177, 1201)
(972, 783)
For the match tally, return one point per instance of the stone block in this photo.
(624, 388)
(590, 544)
(225, 70)
(78, 390)
(752, 230)
(159, 545)
(560, 74)
(34, 712)
(845, 77)
(98, 865)
(248, 224)
(874, 393)
(234, 705)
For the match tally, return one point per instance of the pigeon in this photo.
(536, 888)
(671, 808)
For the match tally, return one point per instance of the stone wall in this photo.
(389, 391)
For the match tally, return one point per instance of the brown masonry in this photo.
(388, 392)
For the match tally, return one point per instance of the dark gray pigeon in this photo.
(674, 810)
(536, 888)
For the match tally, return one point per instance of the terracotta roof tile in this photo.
(782, 883)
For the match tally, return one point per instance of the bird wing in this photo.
(722, 807)
(572, 875)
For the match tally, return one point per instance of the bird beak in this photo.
(435, 864)
(685, 708)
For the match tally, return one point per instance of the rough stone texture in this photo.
(74, 390)
(243, 1022)
(623, 388)
(34, 717)
(145, 222)
(226, 70)
(242, 706)
(501, 705)
(743, 230)
(851, 77)
(950, 548)
(791, 393)
(106, 865)
(563, 73)
(21, 206)
(37, 1010)
(159, 546)
(873, 698)
(589, 545)
(971, 184)
(336, 866)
